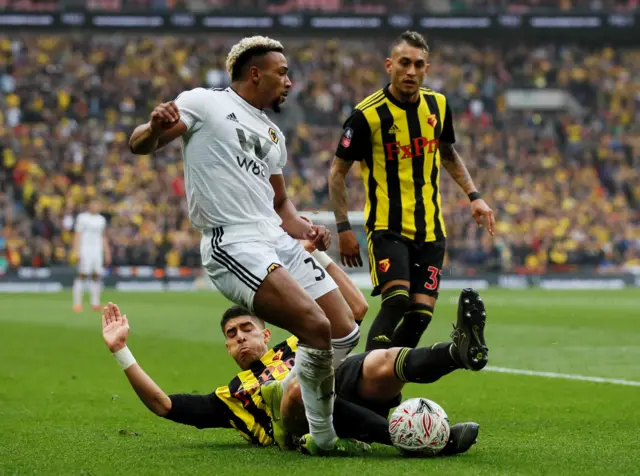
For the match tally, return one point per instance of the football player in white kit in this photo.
(237, 197)
(92, 250)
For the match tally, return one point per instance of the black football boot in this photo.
(470, 349)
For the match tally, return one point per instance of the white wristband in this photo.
(125, 358)
(323, 258)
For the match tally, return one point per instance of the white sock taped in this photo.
(317, 384)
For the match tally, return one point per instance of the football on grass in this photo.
(419, 427)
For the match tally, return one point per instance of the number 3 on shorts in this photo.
(315, 266)
(432, 284)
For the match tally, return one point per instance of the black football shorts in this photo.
(395, 257)
(348, 377)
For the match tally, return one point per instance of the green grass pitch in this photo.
(66, 408)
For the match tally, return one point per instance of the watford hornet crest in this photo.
(384, 265)
(432, 120)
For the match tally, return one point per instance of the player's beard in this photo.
(407, 93)
(276, 106)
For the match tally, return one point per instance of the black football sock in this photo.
(413, 325)
(395, 302)
(426, 364)
(353, 421)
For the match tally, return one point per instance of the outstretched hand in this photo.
(480, 211)
(115, 328)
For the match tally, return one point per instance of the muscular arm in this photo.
(148, 391)
(200, 411)
(338, 188)
(291, 223)
(451, 161)
(145, 140)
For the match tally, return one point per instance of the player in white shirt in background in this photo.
(237, 197)
(91, 248)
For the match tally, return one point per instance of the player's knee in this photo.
(340, 317)
(379, 379)
(383, 365)
(419, 315)
(339, 312)
(360, 310)
(396, 299)
(316, 328)
(346, 324)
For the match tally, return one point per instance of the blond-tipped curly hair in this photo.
(247, 48)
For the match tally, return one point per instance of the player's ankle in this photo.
(455, 355)
(326, 440)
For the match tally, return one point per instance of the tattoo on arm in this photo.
(338, 188)
(455, 166)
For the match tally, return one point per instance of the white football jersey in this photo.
(230, 151)
(91, 227)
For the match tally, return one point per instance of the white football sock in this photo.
(95, 292)
(343, 346)
(77, 292)
(317, 385)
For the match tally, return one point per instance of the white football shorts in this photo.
(238, 258)
(91, 262)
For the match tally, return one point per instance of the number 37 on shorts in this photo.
(238, 259)
(393, 257)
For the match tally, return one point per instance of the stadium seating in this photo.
(360, 6)
(566, 190)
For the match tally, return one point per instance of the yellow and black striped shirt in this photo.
(397, 146)
(239, 405)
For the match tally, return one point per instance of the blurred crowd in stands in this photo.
(565, 187)
(359, 6)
